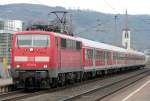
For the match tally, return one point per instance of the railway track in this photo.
(5, 96)
(99, 93)
(20, 95)
(9, 93)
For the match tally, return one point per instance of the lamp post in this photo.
(115, 30)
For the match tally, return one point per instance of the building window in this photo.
(2, 25)
(126, 35)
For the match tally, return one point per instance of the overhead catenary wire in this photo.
(39, 2)
(94, 27)
(109, 5)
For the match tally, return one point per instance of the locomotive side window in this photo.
(63, 43)
(78, 45)
(33, 40)
(70, 44)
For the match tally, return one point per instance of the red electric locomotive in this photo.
(40, 59)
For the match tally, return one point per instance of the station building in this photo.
(7, 28)
(147, 54)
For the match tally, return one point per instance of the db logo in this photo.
(31, 59)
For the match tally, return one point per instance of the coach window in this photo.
(122, 56)
(114, 56)
(107, 55)
(97, 55)
(119, 56)
(103, 55)
(89, 54)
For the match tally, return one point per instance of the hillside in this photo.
(86, 23)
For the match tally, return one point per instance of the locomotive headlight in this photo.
(31, 49)
(45, 66)
(18, 66)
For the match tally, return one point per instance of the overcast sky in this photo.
(106, 6)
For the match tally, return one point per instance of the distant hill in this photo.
(86, 23)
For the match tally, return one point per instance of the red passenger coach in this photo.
(40, 57)
(100, 58)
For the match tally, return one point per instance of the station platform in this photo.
(5, 84)
(139, 91)
(5, 81)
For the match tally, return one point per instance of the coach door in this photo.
(94, 57)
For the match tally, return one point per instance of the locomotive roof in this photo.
(33, 32)
(51, 33)
(67, 36)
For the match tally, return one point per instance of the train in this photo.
(42, 59)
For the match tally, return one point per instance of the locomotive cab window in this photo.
(33, 41)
